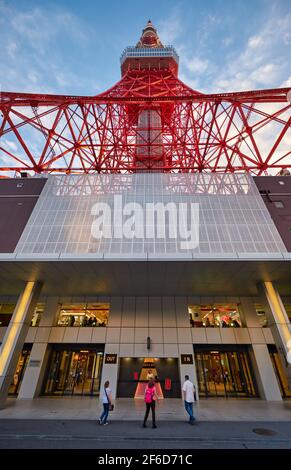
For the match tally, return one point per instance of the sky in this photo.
(73, 47)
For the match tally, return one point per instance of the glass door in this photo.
(19, 372)
(201, 372)
(224, 373)
(280, 373)
(74, 373)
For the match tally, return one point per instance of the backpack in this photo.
(149, 394)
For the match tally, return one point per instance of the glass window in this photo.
(218, 315)
(39, 309)
(262, 315)
(91, 314)
(74, 372)
(6, 312)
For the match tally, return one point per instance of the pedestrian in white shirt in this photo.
(107, 403)
(189, 396)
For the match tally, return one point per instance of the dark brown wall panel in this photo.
(17, 199)
(274, 190)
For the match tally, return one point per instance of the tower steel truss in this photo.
(149, 121)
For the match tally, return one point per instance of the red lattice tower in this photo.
(148, 121)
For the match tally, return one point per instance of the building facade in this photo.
(149, 260)
(211, 300)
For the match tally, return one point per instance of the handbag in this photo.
(111, 406)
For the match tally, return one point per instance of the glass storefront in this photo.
(224, 372)
(218, 315)
(279, 371)
(20, 369)
(74, 370)
(92, 314)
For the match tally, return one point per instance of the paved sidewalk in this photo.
(88, 408)
(80, 434)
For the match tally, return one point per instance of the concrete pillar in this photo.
(188, 369)
(265, 374)
(15, 336)
(278, 322)
(34, 374)
(110, 371)
(249, 313)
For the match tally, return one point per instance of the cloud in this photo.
(227, 41)
(205, 30)
(255, 41)
(261, 63)
(34, 44)
(170, 28)
(243, 61)
(286, 83)
(195, 64)
(11, 49)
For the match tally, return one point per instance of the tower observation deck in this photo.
(149, 54)
(149, 121)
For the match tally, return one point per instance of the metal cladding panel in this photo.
(17, 199)
(150, 213)
(276, 193)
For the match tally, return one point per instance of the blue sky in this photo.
(73, 47)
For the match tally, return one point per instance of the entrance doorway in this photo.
(74, 371)
(279, 371)
(223, 372)
(135, 372)
(20, 369)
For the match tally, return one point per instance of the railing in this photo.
(168, 51)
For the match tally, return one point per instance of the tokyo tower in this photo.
(148, 121)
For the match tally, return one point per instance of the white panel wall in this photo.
(169, 316)
(142, 312)
(30, 337)
(51, 312)
(128, 313)
(155, 311)
(110, 371)
(115, 311)
(182, 312)
(248, 311)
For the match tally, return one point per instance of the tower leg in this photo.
(15, 336)
(279, 324)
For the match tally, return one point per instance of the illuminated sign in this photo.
(186, 359)
(110, 358)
